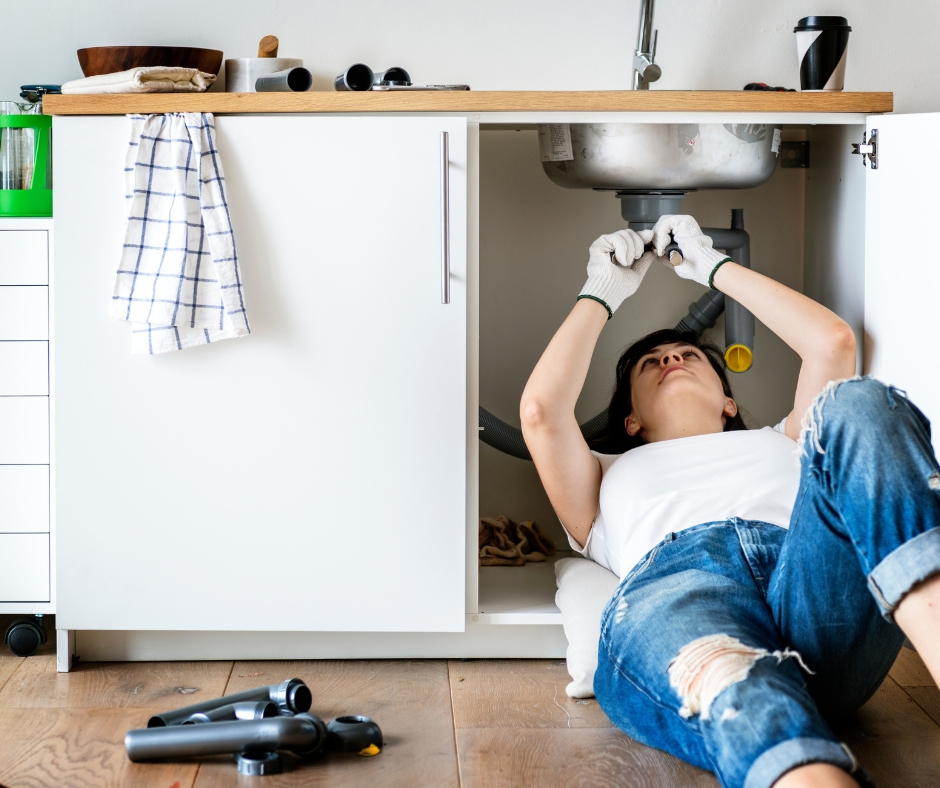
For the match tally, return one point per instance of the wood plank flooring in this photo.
(468, 724)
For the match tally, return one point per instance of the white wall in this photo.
(495, 44)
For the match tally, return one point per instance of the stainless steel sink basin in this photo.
(680, 156)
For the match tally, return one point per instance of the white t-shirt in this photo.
(670, 485)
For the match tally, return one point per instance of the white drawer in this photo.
(24, 430)
(24, 368)
(24, 493)
(24, 257)
(24, 313)
(24, 567)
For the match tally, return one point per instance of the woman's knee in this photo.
(865, 406)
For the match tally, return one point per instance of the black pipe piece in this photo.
(354, 734)
(292, 695)
(704, 313)
(304, 734)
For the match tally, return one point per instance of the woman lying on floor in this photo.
(766, 588)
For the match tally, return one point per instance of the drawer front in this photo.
(24, 257)
(24, 430)
(24, 493)
(24, 313)
(24, 567)
(24, 368)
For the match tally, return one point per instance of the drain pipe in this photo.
(739, 322)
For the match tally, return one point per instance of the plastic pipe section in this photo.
(291, 695)
(249, 710)
(291, 80)
(303, 734)
(357, 77)
(739, 322)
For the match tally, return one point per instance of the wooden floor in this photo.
(446, 723)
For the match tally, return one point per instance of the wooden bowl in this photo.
(108, 60)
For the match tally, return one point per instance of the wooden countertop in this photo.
(472, 101)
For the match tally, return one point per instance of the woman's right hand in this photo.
(616, 266)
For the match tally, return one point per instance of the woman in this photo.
(768, 577)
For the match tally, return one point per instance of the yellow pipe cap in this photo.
(739, 358)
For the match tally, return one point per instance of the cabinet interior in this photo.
(807, 231)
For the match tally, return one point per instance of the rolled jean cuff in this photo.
(914, 561)
(788, 755)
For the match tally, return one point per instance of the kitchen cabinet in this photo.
(310, 476)
(27, 535)
(312, 490)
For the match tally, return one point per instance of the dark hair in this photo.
(614, 438)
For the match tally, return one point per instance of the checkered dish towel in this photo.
(178, 281)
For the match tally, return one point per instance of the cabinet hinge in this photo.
(868, 148)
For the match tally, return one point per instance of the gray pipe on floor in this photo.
(303, 734)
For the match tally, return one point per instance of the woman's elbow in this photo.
(536, 414)
(841, 340)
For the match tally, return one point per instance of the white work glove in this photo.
(610, 281)
(699, 260)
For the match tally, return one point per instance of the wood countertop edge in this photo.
(470, 101)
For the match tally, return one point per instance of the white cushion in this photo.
(584, 588)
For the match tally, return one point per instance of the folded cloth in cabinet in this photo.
(178, 281)
(507, 543)
(145, 79)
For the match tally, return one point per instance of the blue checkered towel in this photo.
(178, 281)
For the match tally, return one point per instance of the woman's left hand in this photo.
(699, 260)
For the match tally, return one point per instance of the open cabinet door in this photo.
(902, 261)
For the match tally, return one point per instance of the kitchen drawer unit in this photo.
(24, 493)
(24, 430)
(24, 571)
(24, 312)
(24, 257)
(27, 513)
(24, 368)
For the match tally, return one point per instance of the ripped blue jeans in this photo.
(734, 644)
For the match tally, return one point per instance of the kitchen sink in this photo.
(656, 156)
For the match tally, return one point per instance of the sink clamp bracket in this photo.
(868, 148)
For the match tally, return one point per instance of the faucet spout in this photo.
(645, 69)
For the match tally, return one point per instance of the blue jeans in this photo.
(704, 644)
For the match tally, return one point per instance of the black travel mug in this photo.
(822, 45)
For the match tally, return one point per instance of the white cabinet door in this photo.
(311, 476)
(902, 276)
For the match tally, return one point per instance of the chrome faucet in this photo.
(645, 69)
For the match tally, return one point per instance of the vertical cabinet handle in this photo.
(445, 219)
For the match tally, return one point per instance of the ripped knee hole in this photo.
(704, 668)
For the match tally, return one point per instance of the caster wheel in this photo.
(24, 636)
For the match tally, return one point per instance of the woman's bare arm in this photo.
(823, 340)
(569, 472)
